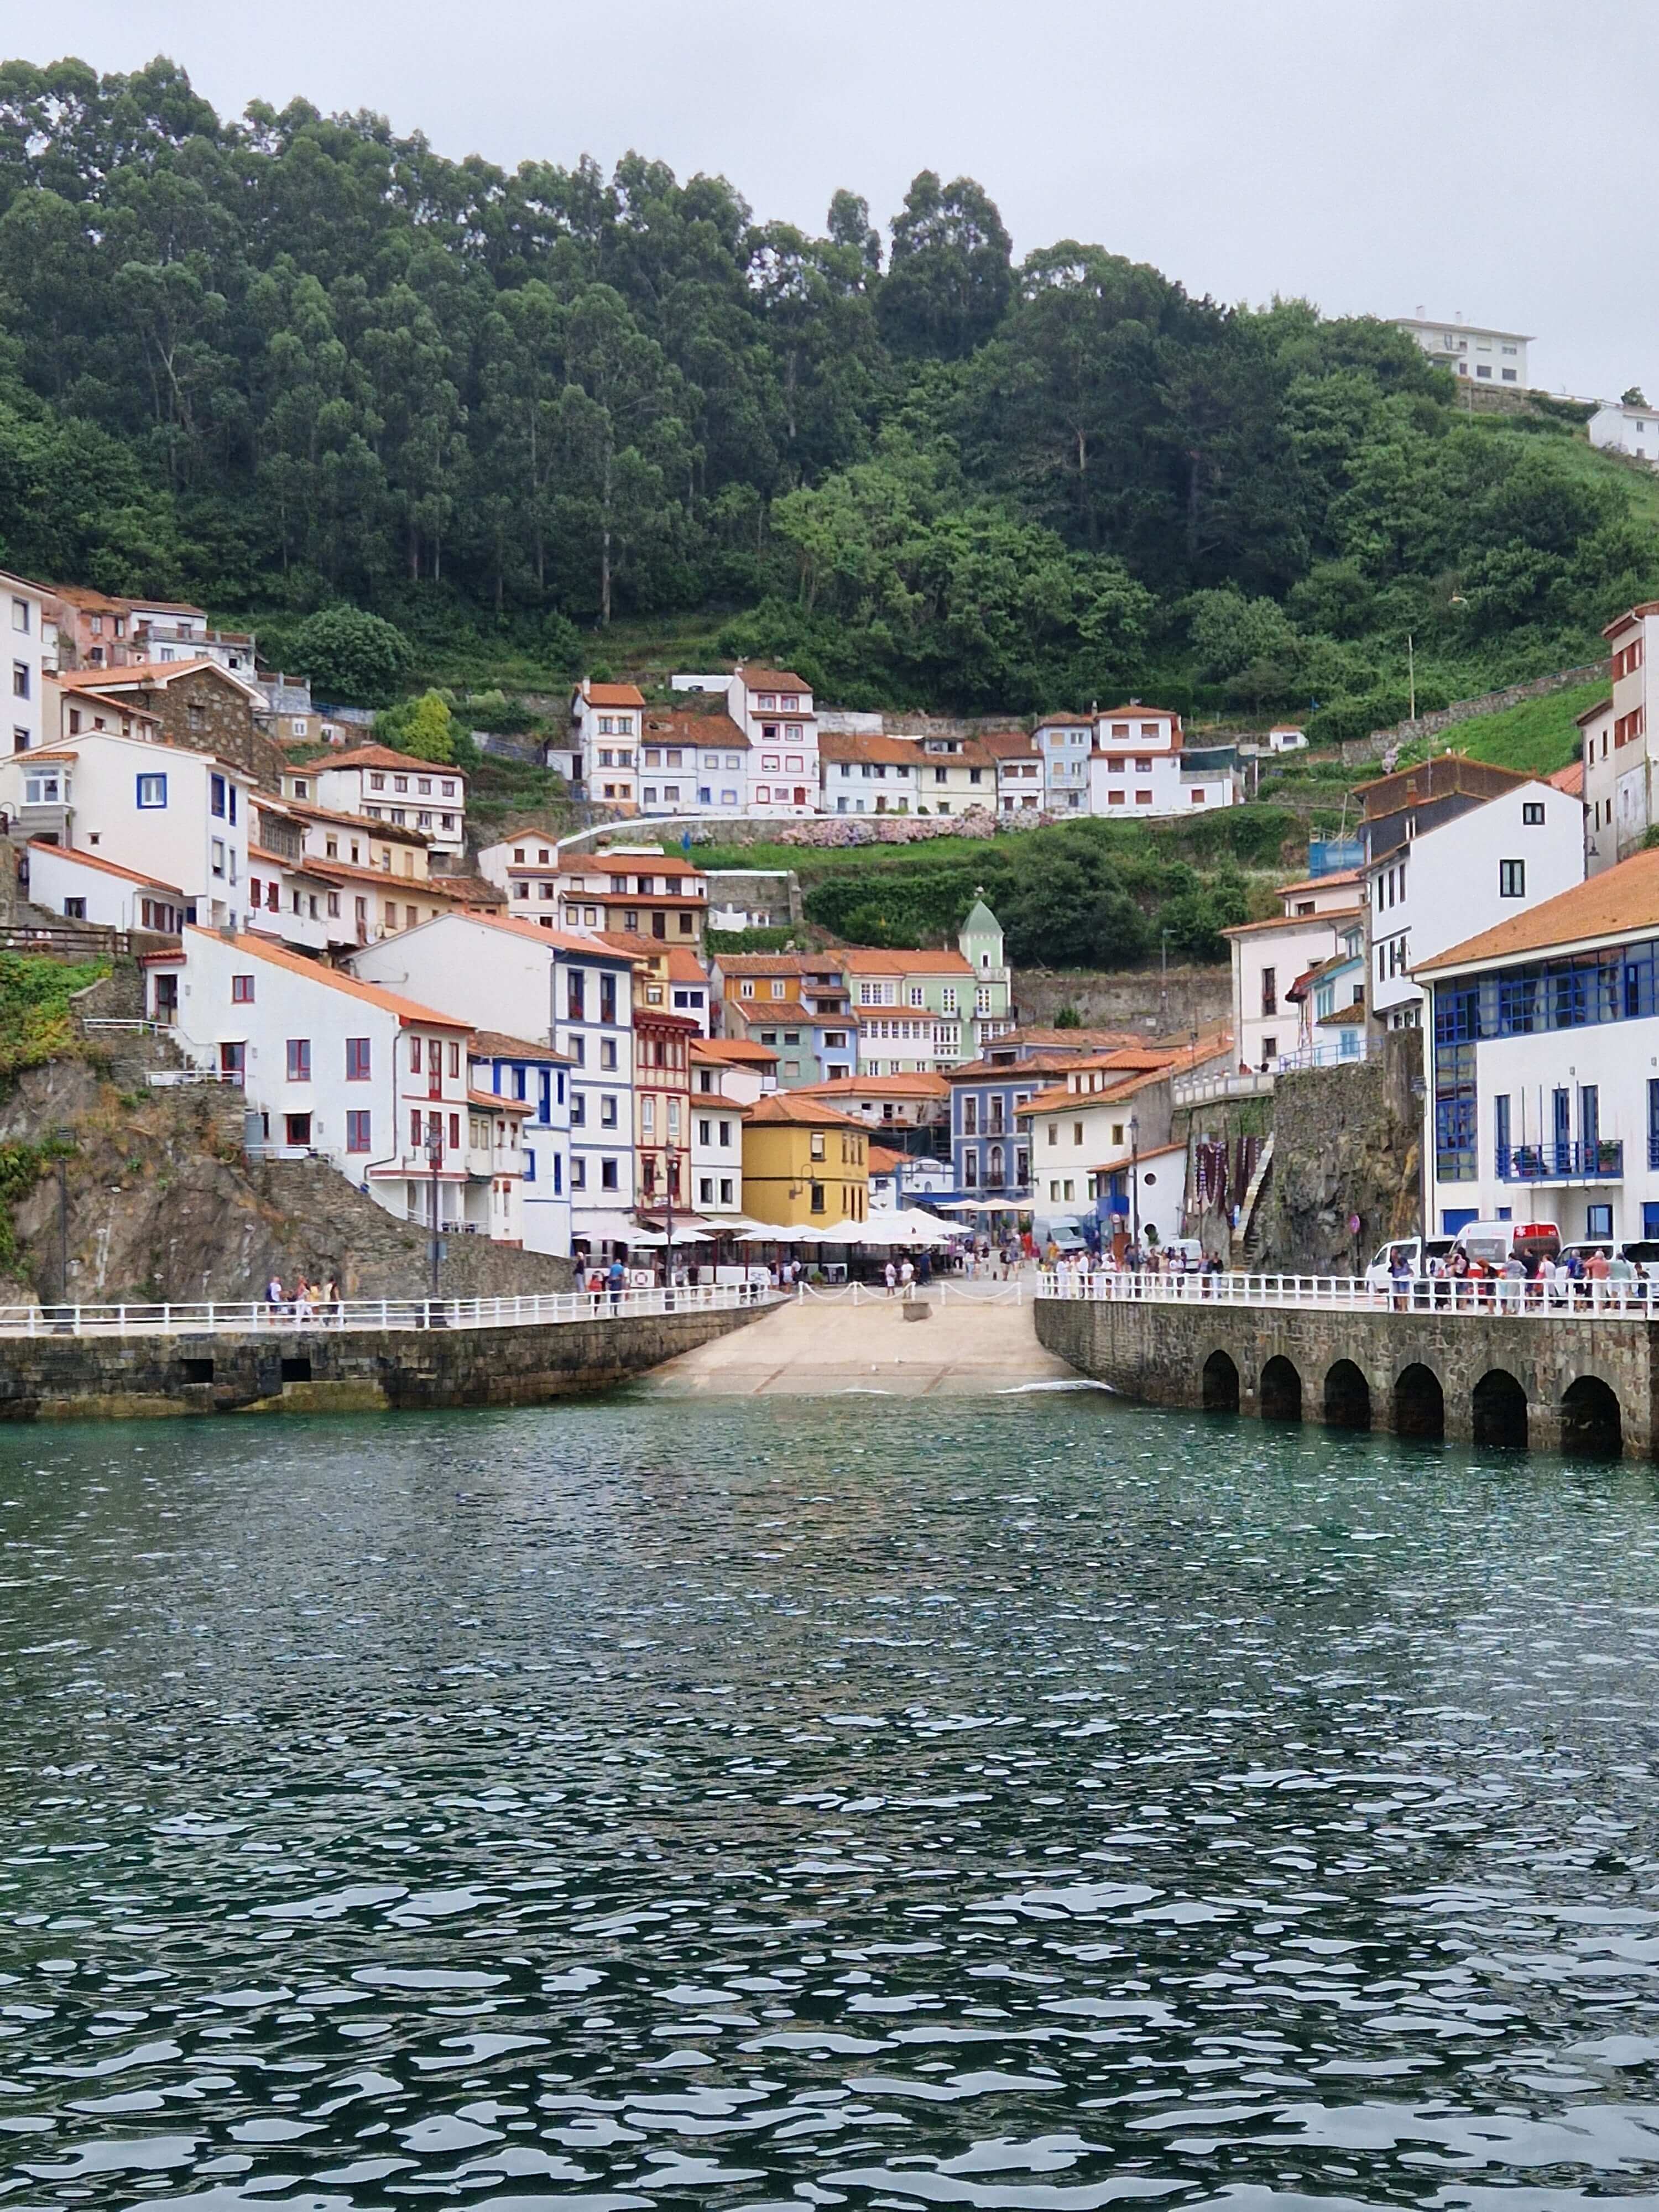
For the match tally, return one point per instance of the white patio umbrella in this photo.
(910, 1227)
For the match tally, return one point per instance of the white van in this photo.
(1418, 1251)
(1493, 1242)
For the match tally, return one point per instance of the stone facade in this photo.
(1346, 1140)
(1497, 1378)
(206, 711)
(288, 1370)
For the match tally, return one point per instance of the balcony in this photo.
(1600, 1161)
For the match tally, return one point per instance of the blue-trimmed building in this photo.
(538, 1075)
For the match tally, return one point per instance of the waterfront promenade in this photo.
(1496, 1363)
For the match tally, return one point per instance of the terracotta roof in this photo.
(1625, 620)
(883, 1159)
(333, 979)
(1570, 779)
(351, 872)
(1293, 921)
(773, 1009)
(737, 1052)
(834, 746)
(611, 695)
(495, 1102)
(764, 963)
(1614, 904)
(861, 960)
(150, 675)
(84, 859)
(495, 1044)
(374, 756)
(773, 679)
(1038, 1063)
(364, 824)
(919, 1085)
(687, 725)
(630, 942)
(685, 967)
(47, 753)
(1052, 1100)
(280, 860)
(1321, 883)
(1136, 706)
(82, 595)
(804, 1113)
(1010, 745)
(662, 1017)
(1065, 721)
(621, 860)
(561, 940)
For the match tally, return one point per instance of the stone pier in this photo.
(1581, 1385)
(287, 1370)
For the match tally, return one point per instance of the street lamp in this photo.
(1134, 1177)
(65, 1138)
(435, 1156)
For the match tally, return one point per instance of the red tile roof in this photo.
(495, 1044)
(737, 1052)
(773, 679)
(920, 1085)
(333, 979)
(611, 695)
(374, 756)
(803, 1112)
(84, 859)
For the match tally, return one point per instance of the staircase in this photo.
(1248, 1237)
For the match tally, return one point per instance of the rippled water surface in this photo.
(1035, 1802)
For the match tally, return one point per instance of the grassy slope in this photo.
(1540, 734)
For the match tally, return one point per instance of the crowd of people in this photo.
(1524, 1278)
(304, 1301)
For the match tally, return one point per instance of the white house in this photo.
(1135, 767)
(1619, 428)
(561, 989)
(383, 786)
(535, 1078)
(1468, 874)
(692, 762)
(332, 1067)
(1543, 1091)
(1020, 770)
(866, 773)
(179, 816)
(772, 708)
(1485, 356)
(86, 887)
(1270, 957)
(31, 625)
(599, 756)
(1620, 740)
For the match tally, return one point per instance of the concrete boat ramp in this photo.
(966, 1340)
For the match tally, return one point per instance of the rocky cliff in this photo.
(159, 1203)
(1346, 1140)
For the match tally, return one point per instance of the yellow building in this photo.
(805, 1165)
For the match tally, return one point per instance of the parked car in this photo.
(1185, 1254)
(1419, 1250)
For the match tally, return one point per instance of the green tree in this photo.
(353, 659)
(949, 278)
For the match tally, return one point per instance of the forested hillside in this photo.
(292, 360)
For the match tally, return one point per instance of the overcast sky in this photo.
(1495, 157)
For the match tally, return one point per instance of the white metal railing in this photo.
(939, 1291)
(220, 1317)
(1429, 1295)
(189, 1079)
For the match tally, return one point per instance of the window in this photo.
(75, 909)
(152, 791)
(818, 1150)
(1511, 879)
(608, 1179)
(358, 1138)
(607, 1113)
(241, 990)
(20, 679)
(299, 1059)
(1532, 812)
(817, 1198)
(1598, 1219)
(216, 796)
(1270, 990)
(357, 1059)
(607, 998)
(20, 616)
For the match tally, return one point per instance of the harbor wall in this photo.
(1578, 1384)
(288, 1370)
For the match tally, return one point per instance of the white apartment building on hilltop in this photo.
(1485, 356)
(772, 708)
(1618, 428)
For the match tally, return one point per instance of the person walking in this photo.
(615, 1276)
(333, 1306)
(890, 1276)
(908, 1279)
(274, 1296)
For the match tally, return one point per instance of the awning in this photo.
(910, 1227)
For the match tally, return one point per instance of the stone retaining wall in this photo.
(284, 1370)
(1159, 1352)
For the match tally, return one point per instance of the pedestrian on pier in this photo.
(889, 1275)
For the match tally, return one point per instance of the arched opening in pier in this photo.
(1419, 1403)
(1220, 1384)
(1499, 1411)
(1590, 1426)
(1282, 1390)
(1347, 1397)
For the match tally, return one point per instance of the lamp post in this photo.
(65, 1138)
(1135, 1178)
(434, 1155)
(670, 1165)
